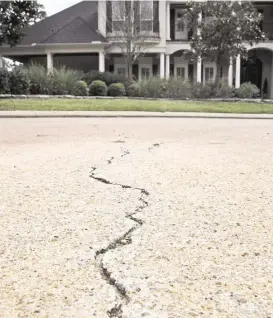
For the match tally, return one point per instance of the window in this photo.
(180, 72)
(121, 71)
(146, 15)
(209, 74)
(180, 22)
(145, 73)
(118, 15)
(118, 10)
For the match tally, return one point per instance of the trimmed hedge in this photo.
(107, 77)
(134, 90)
(98, 88)
(80, 89)
(116, 89)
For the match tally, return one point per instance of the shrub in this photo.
(80, 89)
(116, 89)
(19, 81)
(107, 77)
(64, 80)
(4, 81)
(39, 81)
(154, 87)
(98, 88)
(92, 76)
(204, 91)
(247, 90)
(134, 90)
(224, 90)
(177, 88)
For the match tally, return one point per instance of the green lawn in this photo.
(135, 105)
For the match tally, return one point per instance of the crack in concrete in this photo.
(115, 311)
(125, 239)
(153, 146)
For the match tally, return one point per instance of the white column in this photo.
(101, 62)
(168, 21)
(162, 65)
(1, 61)
(50, 64)
(199, 70)
(167, 66)
(238, 72)
(230, 73)
(199, 61)
(270, 83)
(199, 18)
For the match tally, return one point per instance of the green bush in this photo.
(80, 89)
(133, 90)
(247, 90)
(204, 91)
(223, 90)
(64, 80)
(92, 76)
(107, 77)
(116, 89)
(177, 88)
(4, 81)
(39, 81)
(98, 88)
(154, 87)
(19, 81)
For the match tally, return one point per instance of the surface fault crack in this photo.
(125, 239)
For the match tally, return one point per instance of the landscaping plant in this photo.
(116, 89)
(4, 81)
(64, 80)
(80, 89)
(19, 81)
(98, 88)
(247, 90)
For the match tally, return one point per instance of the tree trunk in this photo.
(218, 73)
(129, 69)
(130, 72)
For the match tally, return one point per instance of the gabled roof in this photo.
(76, 24)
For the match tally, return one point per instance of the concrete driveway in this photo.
(133, 218)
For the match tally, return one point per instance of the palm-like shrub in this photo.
(39, 81)
(64, 80)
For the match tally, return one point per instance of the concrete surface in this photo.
(124, 217)
(128, 114)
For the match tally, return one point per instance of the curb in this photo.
(109, 114)
(233, 100)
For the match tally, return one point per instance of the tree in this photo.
(225, 30)
(15, 16)
(131, 25)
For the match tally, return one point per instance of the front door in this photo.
(181, 25)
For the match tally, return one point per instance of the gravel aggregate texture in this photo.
(130, 217)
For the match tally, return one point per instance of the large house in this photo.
(81, 37)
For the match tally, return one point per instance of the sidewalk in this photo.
(129, 114)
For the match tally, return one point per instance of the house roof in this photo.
(76, 24)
